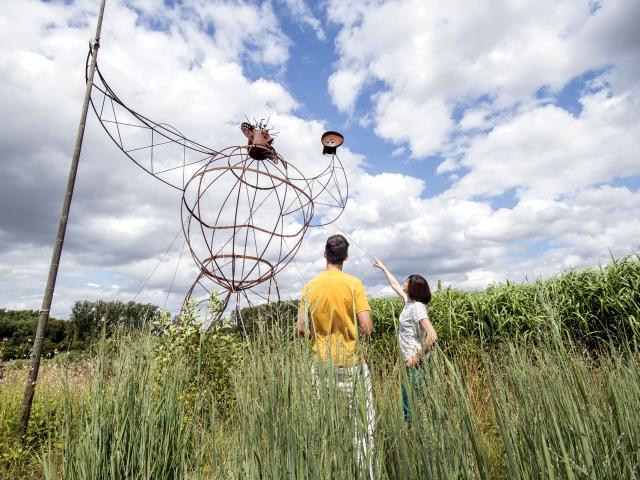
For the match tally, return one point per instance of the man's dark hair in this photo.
(418, 289)
(336, 249)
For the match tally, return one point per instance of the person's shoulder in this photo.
(420, 309)
(352, 279)
(415, 304)
(314, 280)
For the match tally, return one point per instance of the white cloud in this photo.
(303, 14)
(475, 118)
(548, 152)
(424, 126)
(447, 54)
(239, 28)
(477, 84)
(468, 244)
(344, 87)
(457, 78)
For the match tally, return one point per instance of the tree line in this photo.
(87, 322)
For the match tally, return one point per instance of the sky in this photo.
(484, 141)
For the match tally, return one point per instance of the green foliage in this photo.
(179, 339)
(18, 327)
(528, 381)
(600, 304)
(134, 423)
(383, 347)
(18, 456)
(216, 354)
(148, 396)
(550, 411)
(275, 316)
(221, 351)
(559, 417)
(88, 322)
(93, 319)
(594, 307)
(290, 425)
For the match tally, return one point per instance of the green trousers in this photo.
(412, 385)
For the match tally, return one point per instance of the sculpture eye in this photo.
(246, 128)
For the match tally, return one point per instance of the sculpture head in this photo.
(260, 140)
(331, 141)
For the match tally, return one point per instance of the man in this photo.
(334, 311)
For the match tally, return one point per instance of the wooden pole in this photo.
(30, 386)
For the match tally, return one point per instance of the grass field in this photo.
(528, 381)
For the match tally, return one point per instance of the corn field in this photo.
(593, 307)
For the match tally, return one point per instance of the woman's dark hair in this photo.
(418, 289)
(336, 249)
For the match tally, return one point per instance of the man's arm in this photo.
(302, 321)
(363, 314)
(365, 325)
(305, 323)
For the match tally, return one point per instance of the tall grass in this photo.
(134, 424)
(289, 424)
(553, 412)
(540, 403)
(594, 306)
(561, 416)
(18, 456)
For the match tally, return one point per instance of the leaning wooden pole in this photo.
(30, 386)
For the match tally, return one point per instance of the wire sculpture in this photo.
(245, 210)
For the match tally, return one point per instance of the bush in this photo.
(18, 327)
(213, 355)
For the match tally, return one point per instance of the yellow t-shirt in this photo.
(331, 301)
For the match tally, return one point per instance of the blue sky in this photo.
(483, 143)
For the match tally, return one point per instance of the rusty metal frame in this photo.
(257, 169)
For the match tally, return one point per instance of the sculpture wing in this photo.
(328, 191)
(158, 148)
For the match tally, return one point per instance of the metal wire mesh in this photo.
(245, 210)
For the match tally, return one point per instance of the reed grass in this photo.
(134, 423)
(530, 381)
(522, 412)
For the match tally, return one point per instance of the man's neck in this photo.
(333, 268)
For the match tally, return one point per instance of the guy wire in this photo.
(350, 238)
(144, 284)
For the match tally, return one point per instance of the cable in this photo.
(144, 284)
(174, 275)
(293, 260)
(354, 242)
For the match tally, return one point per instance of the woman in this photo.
(416, 335)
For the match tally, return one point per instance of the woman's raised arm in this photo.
(392, 280)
